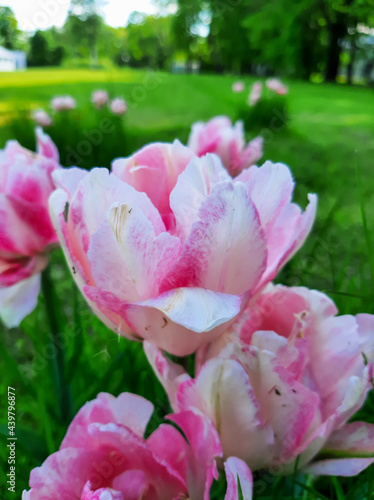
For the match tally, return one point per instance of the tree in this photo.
(39, 53)
(9, 34)
(148, 41)
(84, 25)
(185, 23)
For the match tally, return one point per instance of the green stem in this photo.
(57, 341)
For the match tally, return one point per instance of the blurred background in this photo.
(331, 40)
(174, 63)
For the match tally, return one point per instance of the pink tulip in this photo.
(277, 86)
(255, 94)
(42, 118)
(105, 456)
(99, 98)
(169, 248)
(227, 141)
(118, 106)
(238, 87)
(26, 231)
(63, 103)
(282, 383)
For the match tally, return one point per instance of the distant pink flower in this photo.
(169, 248)
(99, 98)
(277, 86)
(42, 118)
(118, 106)
(255, 94)
(238, 87)
(105, 456)
(26, 231)
(63, 103)
(282, 383)
(226, 140)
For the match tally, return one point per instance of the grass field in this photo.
(329, 145)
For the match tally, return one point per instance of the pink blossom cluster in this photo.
(117, 106)
(99, 98)
(277, 86)
(177, 247)
(63, 103)
(273, 84)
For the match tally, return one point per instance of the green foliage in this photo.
(146, 42)
(9, 33)
(269, 113)
(328, 137)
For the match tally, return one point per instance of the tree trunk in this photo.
(351, 64)
(337, 32)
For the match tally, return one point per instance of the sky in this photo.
(41, 14)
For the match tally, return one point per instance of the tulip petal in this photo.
(68, 179)
(127, 409)
(226, 250)
(19, 300)
(204, 447)
(168, 444)
(126, 256)
(353, 439)
(365, 324)
(233, 408)
(271, 188)
(45, 146)
(183, 319)
(67, 471)
(193, 187)
(25, 227)
(339, 467)
(137, 455)
(237, 472)
(170, 374)
(287, 234)
(106, 493)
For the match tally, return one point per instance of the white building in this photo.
(12, 60)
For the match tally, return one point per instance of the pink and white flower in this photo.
(63, 103)
(99, 98)
(255, 94)
(169, 248)
(42, 118)
(118, 106)
(226, 140)
(26, 231)
(105, 456)
(282, 383)
(238, 87)
(277, 86)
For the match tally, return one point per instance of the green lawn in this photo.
(328, 143)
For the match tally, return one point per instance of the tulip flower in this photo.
(281, 385)
(26, 231)
(277, 86)
(99, 98)
(238, 87)
(118, 106)
(105, 456)
(226, 140)
(169, 248)
(255, 94)
(42, 118)
(63, 103)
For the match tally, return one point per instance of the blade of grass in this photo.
(369, 242)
